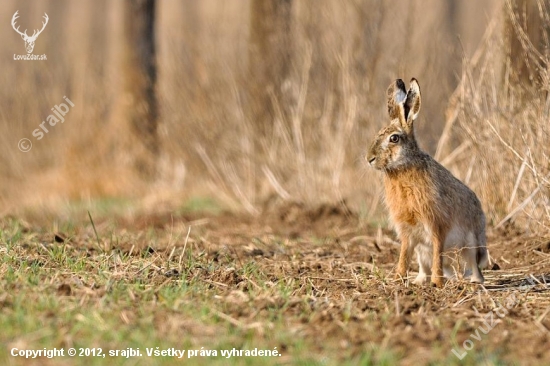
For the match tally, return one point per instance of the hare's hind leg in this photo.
(423, 255)
(448, 270)
(469, 256)
(437, 258)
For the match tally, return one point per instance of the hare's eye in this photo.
(394, 138)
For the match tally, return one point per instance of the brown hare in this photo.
(431, 210)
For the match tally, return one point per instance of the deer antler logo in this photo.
(29, 41)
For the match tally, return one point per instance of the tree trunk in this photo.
(270, 57)
(139, 79)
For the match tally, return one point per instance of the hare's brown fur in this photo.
(431, 210)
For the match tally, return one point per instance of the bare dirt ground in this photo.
(343, 298)
(317, 283)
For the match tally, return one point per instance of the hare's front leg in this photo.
(437, 261)
(403, 263)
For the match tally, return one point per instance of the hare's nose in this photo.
(370, 159)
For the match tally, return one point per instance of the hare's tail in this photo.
(482, 257)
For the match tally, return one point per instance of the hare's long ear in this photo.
(413, 101)
(396, 95)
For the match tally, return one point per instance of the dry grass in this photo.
(494, 138)
(503, 130)
(345, 56)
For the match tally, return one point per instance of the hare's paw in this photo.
(420, 279)
(438, 281)
(474, 275)
(401, 272)
(400, 276)
(477, 278)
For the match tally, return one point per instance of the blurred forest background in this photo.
(252, 103)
